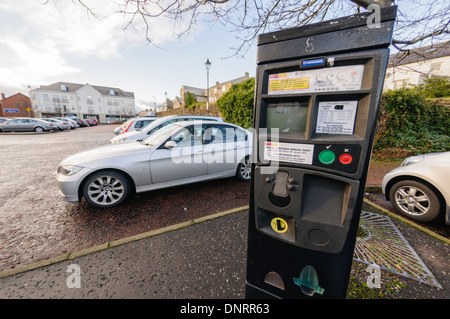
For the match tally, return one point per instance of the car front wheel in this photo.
(415, 200)
(106, 189)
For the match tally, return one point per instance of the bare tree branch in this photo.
(423, 20)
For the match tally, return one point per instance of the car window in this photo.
(141, 124)
(213, 135)
(223, 134)
(26, 121)
(161, 126)
(33, 121)
(188, 136)
(240, 135)
(13, 121)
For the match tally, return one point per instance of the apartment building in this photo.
(106, 104)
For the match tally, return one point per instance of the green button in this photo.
(327, 157)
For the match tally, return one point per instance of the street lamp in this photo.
(207, 66)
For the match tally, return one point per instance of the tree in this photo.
(236, 105)
(421, 20)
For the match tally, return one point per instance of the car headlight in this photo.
(68, 170)
(412, 160)
(118, 140)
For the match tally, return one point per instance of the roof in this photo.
(13, 96)
(420, 54)
(73, 87)
(194, 90)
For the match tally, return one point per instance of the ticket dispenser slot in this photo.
(317, 95)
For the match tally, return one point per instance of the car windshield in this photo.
(161, 135)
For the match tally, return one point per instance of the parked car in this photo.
(180, 153)
(27, 125)
(157, 124)
(134, 124)
(73, 124)
(59, 124)
(420, 187)
(80, 122)
(91, 122)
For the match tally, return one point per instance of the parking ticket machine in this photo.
(317, 95)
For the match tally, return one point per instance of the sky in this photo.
(57, 41)
(48, 41)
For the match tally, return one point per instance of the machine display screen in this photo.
(288, 117)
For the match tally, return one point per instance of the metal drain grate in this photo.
(381, 243)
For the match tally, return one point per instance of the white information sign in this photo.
(289, 152)
(336, 117)
(342, 78)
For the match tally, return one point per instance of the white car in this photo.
(143, 133)
(420, 187)
(180, 153)
(134, 124)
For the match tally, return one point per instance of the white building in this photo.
(411, 68)
(106, 104)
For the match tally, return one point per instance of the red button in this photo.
(345, 159)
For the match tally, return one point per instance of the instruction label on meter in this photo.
(336, 117)
(342, 78)
(289, 152)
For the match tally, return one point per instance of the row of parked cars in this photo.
(27, 124)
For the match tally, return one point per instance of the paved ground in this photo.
(205, 260)
(186, 263)
(36, 223)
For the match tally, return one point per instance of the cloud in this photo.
(39, 39)
(31, 61)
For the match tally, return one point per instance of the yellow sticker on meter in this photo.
(289, 84)
(279, 225)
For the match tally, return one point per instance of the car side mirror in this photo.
(170, 144)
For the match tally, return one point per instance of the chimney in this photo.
(3, 96)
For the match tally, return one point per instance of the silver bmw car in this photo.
(180, 153)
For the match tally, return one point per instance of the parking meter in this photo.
(318, 89)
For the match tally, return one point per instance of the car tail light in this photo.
(125, 129)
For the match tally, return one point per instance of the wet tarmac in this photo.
(37, 224)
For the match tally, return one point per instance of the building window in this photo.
(436, 66)
(89, 100)
(63, 88)
(112, 92)
(46, 97)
